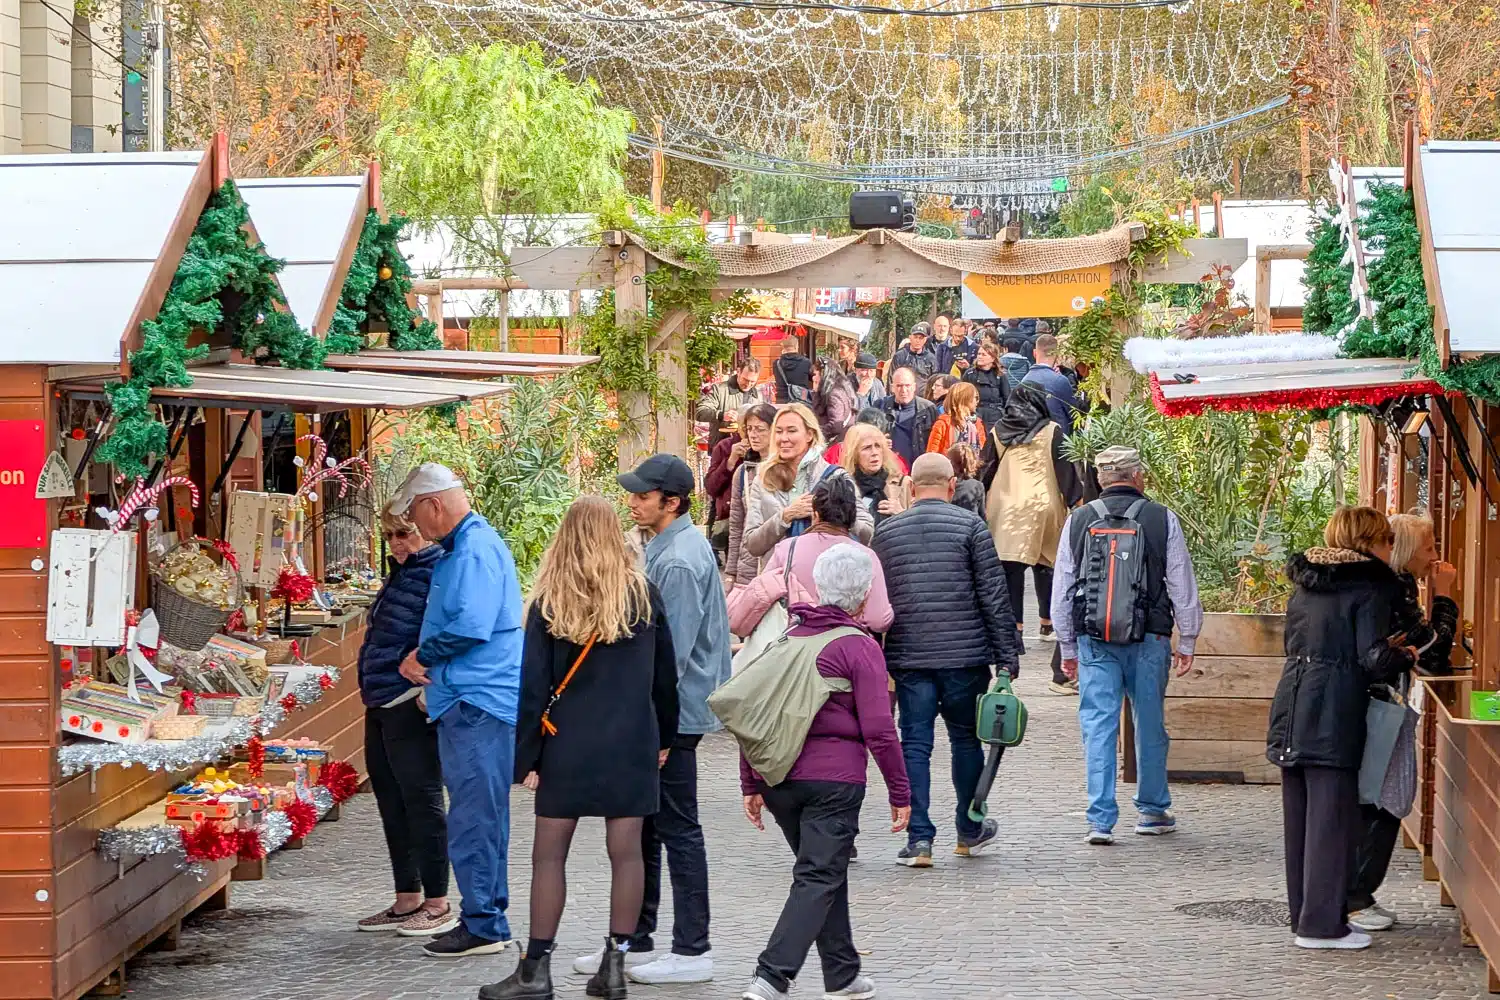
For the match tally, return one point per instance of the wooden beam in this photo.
(658, 170)
(1219, 228)
(426, 286)
(505, 321)
(1283, 251)
(334, 290)
(563, 267)
(1418, 184)
(630, 308)
(1198, 258)
(858, 264)
(1262, 293)
(674, 323)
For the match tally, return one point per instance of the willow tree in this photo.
(496, 142)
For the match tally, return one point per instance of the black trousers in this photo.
(820, 820)
(1057, 671)
(1015, 582)
(676, 828)
(1378, 831)
(401, 751)
(1320, 815)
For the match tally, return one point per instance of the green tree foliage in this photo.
(796, 204)
(524, 459)
(494, 142)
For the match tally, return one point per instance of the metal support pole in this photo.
(156, 109)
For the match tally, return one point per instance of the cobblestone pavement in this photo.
(1045, 917)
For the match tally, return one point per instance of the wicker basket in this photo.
(217, 706)
(278, 651)
(178, 727)
(187, 623)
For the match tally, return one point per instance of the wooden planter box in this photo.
(1416, 828)
(1466, 818)
(1217, 715)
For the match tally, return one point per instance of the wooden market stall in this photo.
(93, 255)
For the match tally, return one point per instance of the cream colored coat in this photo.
(1025, 509)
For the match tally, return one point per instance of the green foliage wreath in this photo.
(1330, 306)
(367, 297)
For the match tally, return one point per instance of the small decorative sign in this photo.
(56, 479)
(23, 450)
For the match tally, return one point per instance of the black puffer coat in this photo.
(994, 390)
(393, 626)
(1339, 623)
(947, 590)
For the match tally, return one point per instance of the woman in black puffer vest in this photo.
(401, 749)
(1340, 639)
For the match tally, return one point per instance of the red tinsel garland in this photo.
(255, 754)
(208, 841)
(1294, 399)
(303, 816)
(251, 847)
(341, 780)
(292, 586)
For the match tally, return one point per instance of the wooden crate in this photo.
(1466, 819)
(1217, 715)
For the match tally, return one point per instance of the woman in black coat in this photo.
(401, 747)
(986, 375)
(598, 711)
(1340, 639)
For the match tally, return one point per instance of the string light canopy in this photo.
(987, 98)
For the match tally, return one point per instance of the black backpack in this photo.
(794, 393)
(1109, 597)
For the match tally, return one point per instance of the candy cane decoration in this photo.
(350, 472)
(143, 496)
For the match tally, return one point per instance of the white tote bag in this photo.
(773, 624)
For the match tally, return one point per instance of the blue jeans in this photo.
(1106, 673)
(922, 696)
(478, 753)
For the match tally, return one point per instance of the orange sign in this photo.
(1059, 293)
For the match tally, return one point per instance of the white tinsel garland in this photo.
(178, 755)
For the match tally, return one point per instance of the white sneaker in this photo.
(674, 968)
(1100, 838)
(860, 989)
(587, 965)
(759, 989)
(1352, 941)
(1372, 918)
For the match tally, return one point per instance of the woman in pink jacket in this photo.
(835, 508)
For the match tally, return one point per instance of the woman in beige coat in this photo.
(1030, 487)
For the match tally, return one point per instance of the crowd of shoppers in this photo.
(899, 553)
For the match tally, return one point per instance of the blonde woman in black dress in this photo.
(598, 711)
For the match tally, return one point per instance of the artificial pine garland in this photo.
(1330, 306)
(376, 287)
(1403, 318)
(219, 258)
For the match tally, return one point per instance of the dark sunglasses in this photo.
(396, 534)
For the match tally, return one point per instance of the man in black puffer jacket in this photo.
(953, 621)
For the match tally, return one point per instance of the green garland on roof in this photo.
(1330, 306)
(219, 259)
(1403, 319)
(367, 297)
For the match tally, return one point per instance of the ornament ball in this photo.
(385, 274)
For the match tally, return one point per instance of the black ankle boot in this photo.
(609, 981)
(532, 980)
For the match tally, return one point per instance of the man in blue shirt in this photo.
(1063, 402)
(680, 562)
(469, 665)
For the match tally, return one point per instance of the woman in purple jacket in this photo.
(817, 805)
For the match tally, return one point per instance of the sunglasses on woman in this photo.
(396, 534)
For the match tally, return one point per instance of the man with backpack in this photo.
(1123, 577)
(793, 373)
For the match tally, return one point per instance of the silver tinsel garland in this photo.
(150, 841)
(178, 755)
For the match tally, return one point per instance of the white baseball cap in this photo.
(429, 477)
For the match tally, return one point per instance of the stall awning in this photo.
(842, 326)
(484, 364)
(1180, 392)
(264, 388)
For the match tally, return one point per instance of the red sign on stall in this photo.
(23, 452)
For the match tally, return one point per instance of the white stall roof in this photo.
(438, 253)
(1463, 221)
(84, 232)
(842, 326)
(1266, 223)
(303, 220)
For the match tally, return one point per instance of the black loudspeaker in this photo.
(881, 210)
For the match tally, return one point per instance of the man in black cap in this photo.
(867, 388)
(919, 354)
(681, 563)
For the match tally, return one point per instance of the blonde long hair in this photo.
(590, 583)
(855, 439)
(1409, 531)
(772, 469)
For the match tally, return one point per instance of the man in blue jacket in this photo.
(469, 661)
(1063, 401)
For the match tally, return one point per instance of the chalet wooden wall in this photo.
(28, 714)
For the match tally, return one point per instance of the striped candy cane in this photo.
(142, 496)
